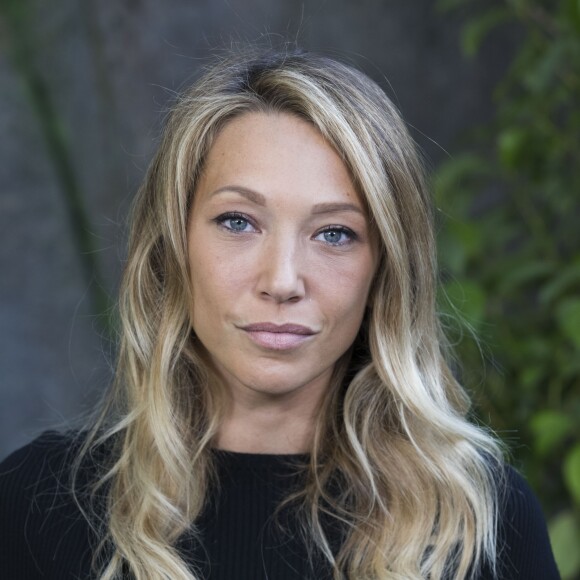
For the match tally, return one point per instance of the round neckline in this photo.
(263, 462)
(258, 456)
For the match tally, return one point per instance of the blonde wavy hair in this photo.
(394, 459)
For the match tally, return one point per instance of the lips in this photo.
(279, 328)
(278, 336)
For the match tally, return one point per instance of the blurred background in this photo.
(491, 92)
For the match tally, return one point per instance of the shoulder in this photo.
(50, 445)
(39, 519)
(42, 465)
(524, 549)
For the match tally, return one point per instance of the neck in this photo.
(258, 422)
(271, 421)
(266, 429)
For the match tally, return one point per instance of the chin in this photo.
(288, 381)
(274, 383)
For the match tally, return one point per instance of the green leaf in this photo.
(565, 539)
(572, 473)
(452, 175)
(541, 77)
(568, 277)
(452, 255)
(475, 31)
(568, 316)
(460, 241)
(530, 375)
(525, 273)
(549, 429)
(511, 146)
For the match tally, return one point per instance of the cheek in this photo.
(212, 272)
(216, 280)
(343, 297)
(346, 283)
(205, 284)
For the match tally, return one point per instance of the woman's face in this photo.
(281, 258)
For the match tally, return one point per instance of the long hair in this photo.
(394, 460)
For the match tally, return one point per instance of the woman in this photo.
(282, 407)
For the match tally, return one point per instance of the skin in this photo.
(297, 250)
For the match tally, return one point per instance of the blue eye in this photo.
(237, 224)
(336, 236)
(234, 222)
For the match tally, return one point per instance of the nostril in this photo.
(282, 297)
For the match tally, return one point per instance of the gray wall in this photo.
(111, 67)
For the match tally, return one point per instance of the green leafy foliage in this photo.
(549, 428)
(565, 537)
(572, 473)
(510, 252)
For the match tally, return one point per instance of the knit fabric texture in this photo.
(241, 536)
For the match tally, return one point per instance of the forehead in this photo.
(277, 154)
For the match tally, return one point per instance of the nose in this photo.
(281, 277)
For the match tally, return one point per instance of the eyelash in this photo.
(221, 219)
(341, 230)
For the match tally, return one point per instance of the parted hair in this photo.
(395, 461)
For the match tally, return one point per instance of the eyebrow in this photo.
(259, 199)
(332, 207)
(250, 194)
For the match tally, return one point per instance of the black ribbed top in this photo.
(43, 535)
(243, 534)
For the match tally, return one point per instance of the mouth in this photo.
(278, 336)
